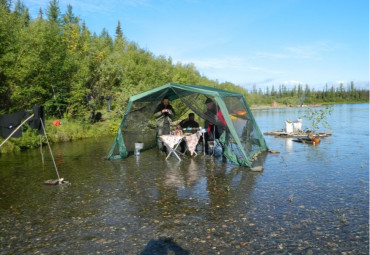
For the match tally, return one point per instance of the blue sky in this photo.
(268, 42)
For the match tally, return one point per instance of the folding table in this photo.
(191, 143)
(172, 142)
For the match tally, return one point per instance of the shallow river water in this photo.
(308, 200)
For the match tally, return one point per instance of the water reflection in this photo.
(193, 173)
(204, 183)
(288, 145)
(173, 177)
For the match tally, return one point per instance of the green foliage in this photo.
(69, 130)
(30, 139)
(53, 11)
(318, 117)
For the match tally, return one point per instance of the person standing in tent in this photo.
(163, 115)
(215, 122)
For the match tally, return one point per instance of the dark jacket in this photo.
(189, 123)
(160, 107)
(162, 118)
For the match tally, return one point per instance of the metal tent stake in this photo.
(51, 153)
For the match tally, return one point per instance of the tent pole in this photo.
(204, 144)
(15, 130)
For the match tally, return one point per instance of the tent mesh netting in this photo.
(241, 137)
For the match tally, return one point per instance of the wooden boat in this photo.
(303, 140)
(314, 141)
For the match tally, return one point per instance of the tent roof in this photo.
(174, 91)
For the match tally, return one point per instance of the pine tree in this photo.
(26, 17)
(53, 11)
(119, 33)
(352, 90)
(19, 8)
(83, 25)
(6, 4)
(40, 16)
(69, 17)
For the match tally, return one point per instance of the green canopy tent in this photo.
(241, 140)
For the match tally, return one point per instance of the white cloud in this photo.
(226, 63)
(361, 84)
(313, 51)
(265, 81)
(293, 82)
(272, 55)
(341, 82)
(358, 83)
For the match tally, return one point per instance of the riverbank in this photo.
(73, 129)
(69, 130)
(281, 106)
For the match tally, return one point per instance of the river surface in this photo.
(308, 199)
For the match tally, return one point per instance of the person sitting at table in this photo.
(186, 123)
(163, 116)
(189, 122)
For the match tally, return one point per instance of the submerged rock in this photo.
(257, 169)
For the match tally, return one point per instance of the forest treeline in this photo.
(56, 61)
(299, 95)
